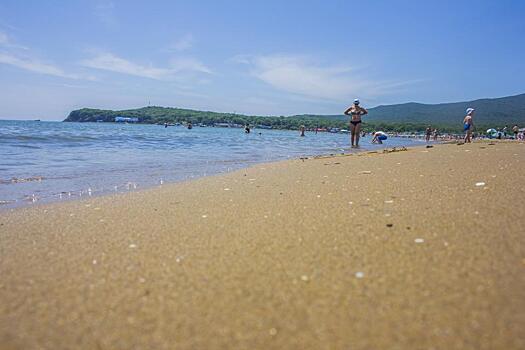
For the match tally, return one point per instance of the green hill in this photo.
(504, 110)
(494, 112)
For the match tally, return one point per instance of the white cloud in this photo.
(36, 66)
(6, 42)
(13, 55)
(182, 44)
(113, 63)
(302, 76)
(188, 64)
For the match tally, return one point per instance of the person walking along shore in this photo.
(468, 124)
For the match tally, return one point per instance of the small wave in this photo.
(16, 180)
(48, 138)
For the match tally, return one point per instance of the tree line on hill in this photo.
(161, 115)
(407, 117)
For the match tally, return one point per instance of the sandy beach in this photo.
(417, 249)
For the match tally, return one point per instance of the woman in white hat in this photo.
(468, 124)
(355, 112)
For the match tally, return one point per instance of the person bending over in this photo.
(355, 112)
(379, 137)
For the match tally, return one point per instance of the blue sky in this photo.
(254, 57)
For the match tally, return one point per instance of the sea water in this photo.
(56, 161)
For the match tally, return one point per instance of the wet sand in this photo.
(420, 249)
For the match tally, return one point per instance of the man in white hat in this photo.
(468, 124)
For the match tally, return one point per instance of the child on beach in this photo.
(355, 111)
(468, 124)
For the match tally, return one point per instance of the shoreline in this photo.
(415, 249)
(75, 195)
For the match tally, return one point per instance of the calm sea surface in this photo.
(54, 161)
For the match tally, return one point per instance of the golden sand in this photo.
(422, 249)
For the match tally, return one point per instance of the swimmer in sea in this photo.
(247, 128)
(355, 112)
(468, 124)
(302, 129)
(379, 137)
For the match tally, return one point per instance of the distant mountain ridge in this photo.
(489, 112)
(503, 110)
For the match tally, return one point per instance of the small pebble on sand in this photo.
(479, 184)
(366, 172)
(305, 278)
(204, 216)
(359, 274)
(389, 202)
(132, 246)
(226, 189)
(419, 240)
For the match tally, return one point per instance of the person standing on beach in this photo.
(468, 124)
(428, 132)
(515, 130)
(355, 111)
(436, 134)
